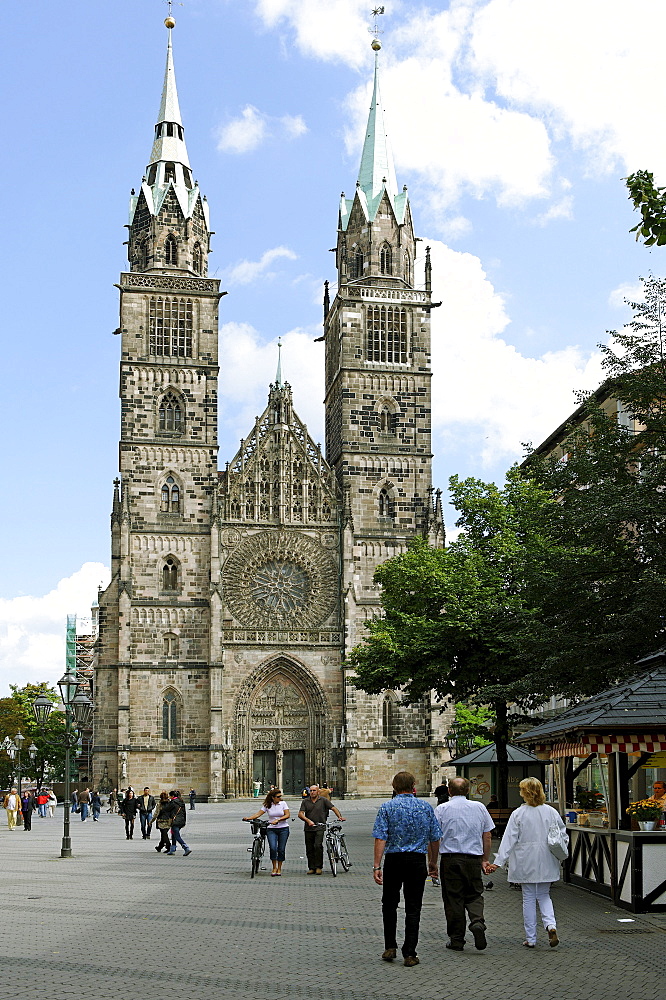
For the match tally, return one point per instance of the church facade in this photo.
(236, 591)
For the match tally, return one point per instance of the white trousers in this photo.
(533, 893)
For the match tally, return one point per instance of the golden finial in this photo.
(170, 20)
(375, 44)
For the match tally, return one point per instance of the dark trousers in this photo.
(27, 820)
(164, 840)
(314, 846)
(129, 827)
(462, 890)
(408, 871)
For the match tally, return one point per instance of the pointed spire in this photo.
(377, 168)
(169, 144)
(278, 374)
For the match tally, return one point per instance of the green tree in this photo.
(460, 621)
(49, 762)
(650, 201)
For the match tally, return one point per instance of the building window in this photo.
(386, 260)
(169, 129)
(187, 177)
(169, 716)
(407, 267)
(388, 717)
(384, 503)
(169, 172)
(171, 250)
(170, 327)
(170, 644)
(170, 502)
(170, 574)
(171, 414)
(386, 335)
(356, 264)
(197, 259)
(386, 421)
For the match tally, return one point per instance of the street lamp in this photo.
(78, 715)
(13, 751)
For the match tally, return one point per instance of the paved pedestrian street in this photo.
(118, 918)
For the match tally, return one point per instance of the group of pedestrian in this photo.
(20, 808)
(168, 814)
(87, 803)
(410, 836)
(314, 811)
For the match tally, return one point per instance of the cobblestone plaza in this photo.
(119, 918)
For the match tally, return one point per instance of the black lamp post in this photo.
(13, 750)
(78, 715)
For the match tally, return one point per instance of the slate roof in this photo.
(488, 755)
(637, 705)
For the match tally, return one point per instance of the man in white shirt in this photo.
(12, 804)
(464, 854)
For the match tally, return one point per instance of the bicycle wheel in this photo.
(330, 850)
(256, 856)
(344, 855)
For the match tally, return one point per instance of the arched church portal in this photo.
(282, 729)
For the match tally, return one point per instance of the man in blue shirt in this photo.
(405, 831)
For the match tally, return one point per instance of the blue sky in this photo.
(512, 122)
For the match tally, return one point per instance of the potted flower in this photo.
(646, 812)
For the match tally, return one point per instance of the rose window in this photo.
(280, 587)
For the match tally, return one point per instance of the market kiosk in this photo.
(619, 731)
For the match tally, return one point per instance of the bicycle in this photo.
(259, 827)
(336, 847)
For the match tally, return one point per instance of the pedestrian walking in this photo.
(113, 801)
(146, 808)
(95, 805)
(27, 807)
(178, 821)
(75, 801)
(531, 863)
(276, 811)
(52, 803)
(314, 813)
(464, 855)
(128, 810)
(12, 804)
(84, 803)
(405, 832)
(162, 818)
(42, 802)
(441, 793)
(193, 799)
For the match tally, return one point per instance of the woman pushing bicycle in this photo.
(277, 813)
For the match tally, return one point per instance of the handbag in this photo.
(558, 842)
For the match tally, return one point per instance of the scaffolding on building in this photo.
(80, 640)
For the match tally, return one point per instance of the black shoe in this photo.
(455, 947)
(479, 935)
(389, 954)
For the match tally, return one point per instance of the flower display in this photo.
(645, 809)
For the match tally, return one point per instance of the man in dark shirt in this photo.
(314, 810)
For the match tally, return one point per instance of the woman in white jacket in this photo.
(531, 863)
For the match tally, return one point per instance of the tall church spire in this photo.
(168, 219)
(377, 168)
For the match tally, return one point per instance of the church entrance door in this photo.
(293, 772)
(263, 768)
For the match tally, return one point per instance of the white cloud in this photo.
(627, 292)
(32, 629)
(243, 134)
(487, 396)
(249, 367)
(247, 132)
(334, 31)
(562, 209)
(247, 271)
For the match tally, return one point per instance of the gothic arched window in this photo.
(142, 255)
(169, 716)
(171, 250)
(171, 414)
(407, 268)
(386, 421)
(170, 498)
(386, 260)
(356, 264)
(170, 574)
(170, 644)
(384, 501)
(197, 259)
(388, 717)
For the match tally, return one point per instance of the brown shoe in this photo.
(410, 960)
(310, 871)
(389, 954)
(553, 939)
(318, 871)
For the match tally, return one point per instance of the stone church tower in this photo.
(235, 593)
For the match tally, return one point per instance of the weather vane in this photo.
(375, 30)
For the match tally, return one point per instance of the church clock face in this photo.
(280, 580)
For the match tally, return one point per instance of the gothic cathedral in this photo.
(235, 593)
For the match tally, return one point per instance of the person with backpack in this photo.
(178, 821)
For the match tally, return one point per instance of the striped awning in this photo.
(616, 743)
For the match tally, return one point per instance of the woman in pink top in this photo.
(277, 813)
